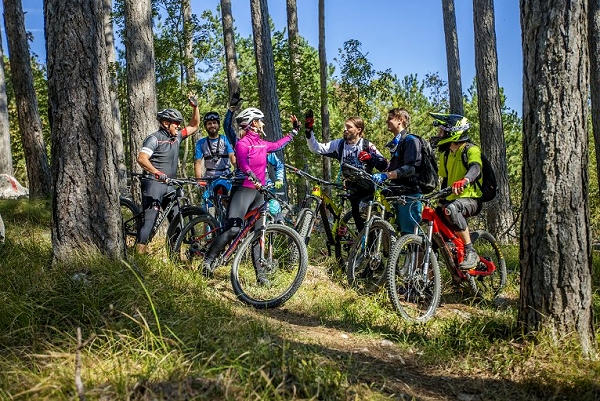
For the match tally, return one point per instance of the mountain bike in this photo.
(275, 252)
(175, 199)
(413, 274)
(340, 231)
(368, 256)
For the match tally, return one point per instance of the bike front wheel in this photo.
(489, 277)
(188, 213)
(131, 221)
(269, 282)
(193, 241)
(413, 289)
(368, 257)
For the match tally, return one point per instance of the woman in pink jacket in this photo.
(251, 154)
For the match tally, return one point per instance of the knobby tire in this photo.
(284, 270)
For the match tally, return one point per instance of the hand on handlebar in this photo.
(379, 177)
(254, 180)
(459, 186)
(160, 176)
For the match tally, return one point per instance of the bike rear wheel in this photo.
(368, 257)
(414, 293)
(271, 282)
(193, 242)
(132, 221)
(487, 287)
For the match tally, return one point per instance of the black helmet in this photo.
(455, 127)
(172, 115)
(211, 116)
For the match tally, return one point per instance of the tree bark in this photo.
(295, 78)
(141, 80)
(594, 50)
(265, 68)
(499, 211)
(109, 36)
(556, 268)
(324, 99)
(229, 42)
(452, 57)
(86, 212)
(6, 164)
(188, 37)
(30, 124)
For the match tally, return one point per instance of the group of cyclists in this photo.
(243, 148)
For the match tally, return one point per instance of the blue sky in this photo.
(406, 36)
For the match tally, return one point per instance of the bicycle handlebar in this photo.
(176, 181)
(304, 174)
(369, 177)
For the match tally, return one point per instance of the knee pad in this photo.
(233, 225)
(453, 212)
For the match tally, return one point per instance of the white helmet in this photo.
(248, 115)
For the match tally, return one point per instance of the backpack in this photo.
(365, 142)
(427, 172)
(488, 185)
(351, 175)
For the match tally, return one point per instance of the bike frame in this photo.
(174, 198)
(250, 220)
(436, 226)
(322, 204)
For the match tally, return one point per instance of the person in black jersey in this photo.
(159, 157)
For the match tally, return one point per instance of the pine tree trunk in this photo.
(109, 35)
(556, 268)
(594, 49)
(6, 164)
(265, 68)
(229, 42)
(498, 212)
(141, 80)
(324, 99)
(86, 212)
(452, 57)
(295, 78)
(30, 124)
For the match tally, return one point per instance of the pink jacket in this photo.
(251, 154)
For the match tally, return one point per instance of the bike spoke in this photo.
(269, 281)
(413, 291)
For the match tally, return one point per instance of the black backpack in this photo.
(351, 175)
(427, 172)
(488, 185)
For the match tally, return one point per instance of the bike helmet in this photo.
(248, 115)
(211, 116)
(455, 127)
(172, 115)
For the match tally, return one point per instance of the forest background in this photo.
(356, 86)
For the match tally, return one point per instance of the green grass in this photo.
(160, 332)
